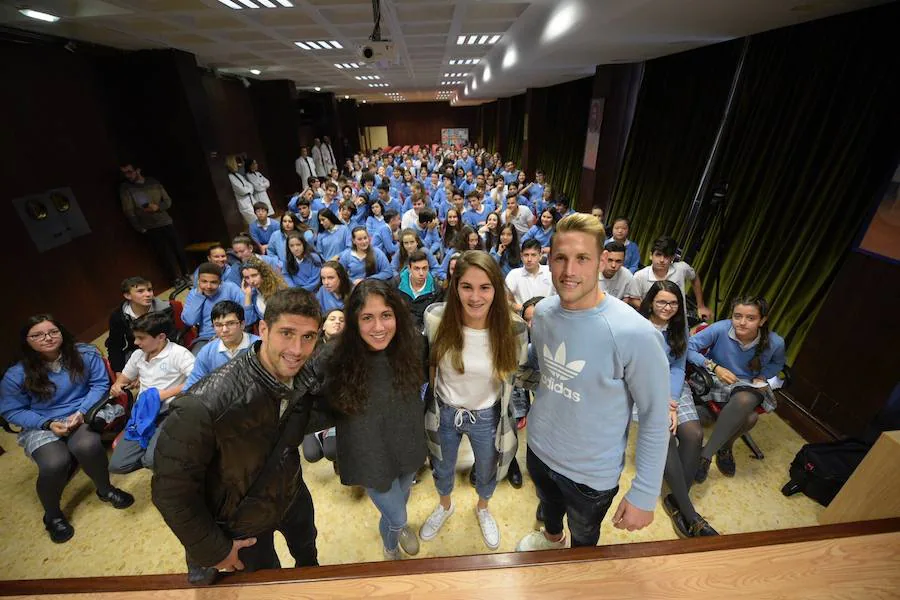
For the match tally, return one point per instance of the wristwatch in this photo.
(710, 366)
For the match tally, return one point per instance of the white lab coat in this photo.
(305, 169)
(317, 159)
(243, 193)
(328, 160)
(260, 185)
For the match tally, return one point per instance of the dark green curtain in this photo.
(516, 129)
(679, 107)
(561, 153)
(814, 136)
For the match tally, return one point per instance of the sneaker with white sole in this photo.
(489, 530)
(393, 554)
(408, 541)
(435, 521)
(536, 540)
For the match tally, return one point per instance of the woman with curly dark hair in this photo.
(374, 386)
(47, 394)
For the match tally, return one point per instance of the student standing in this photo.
(47, 394)
(597, 359)
(243, 189)
(614, 279)
(664, 266)
(476, 344)
(376, 389)
(531, 279)
(260, 185)
(621, 227)
(662, 306)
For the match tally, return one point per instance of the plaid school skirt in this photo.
(686, 410)
(720, 393)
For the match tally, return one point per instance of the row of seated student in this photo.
(51, 390)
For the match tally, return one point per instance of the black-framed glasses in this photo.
(661, 304)
(52, 334)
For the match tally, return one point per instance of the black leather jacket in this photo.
(216, 442)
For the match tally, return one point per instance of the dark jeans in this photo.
(169, 250)
(299, 529)
(584, 506)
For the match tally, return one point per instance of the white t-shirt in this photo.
(476, 389)
(409, 220)
(522, 221)
(618, 284)
(524, 286)
(679, 272)
(172, 366)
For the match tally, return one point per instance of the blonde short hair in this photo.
(582, 223)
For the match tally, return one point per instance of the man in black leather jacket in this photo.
(227, 471)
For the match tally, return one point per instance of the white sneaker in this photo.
(489, 530)
(536, 540)
(392, 554)
(435, 521)
(409, 542)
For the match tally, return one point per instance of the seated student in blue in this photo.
(432, 185)
(534, 193)
(242, 246)
(208, 290)
(742, 355)
(490, 231)
(426, 227)
(219, 257)
(307, 215)
(476, 214)
(360, 211)
(409, 242)
(335, 288)
(468, 239)
(277, 248)
(333, 238)
(369, 187)
(508, 251)
(303, 263)
(478, 169)
(47, 394)
(391, 201)
(362, 261)
(542, 231)
(620, 229)
(379, 229)
(331, 200)
(260, 283)
(228, 320)
(509, 172)
(662, 306)
(468, 184)
(347, 211)
(459, 177)
(263, 227)
(451, 227)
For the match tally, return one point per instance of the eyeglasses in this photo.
(37, 337)
(661, 304)
(227, 325)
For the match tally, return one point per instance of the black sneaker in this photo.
(202, 575)
(669, 505)
(702, 470)
(60, 530)
(118, 498)
(725, 462)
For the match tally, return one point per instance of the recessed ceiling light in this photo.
(486, 76)
(346, 97)
(318, 89)
(40, 16)
(479, 38)
(255, 71)
(319, 45)
(510, 57)
(561, 22)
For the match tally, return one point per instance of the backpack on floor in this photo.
(821, 470)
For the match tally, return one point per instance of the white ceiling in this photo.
(425, 35)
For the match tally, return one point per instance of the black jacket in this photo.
(216, 442)
(120, 341)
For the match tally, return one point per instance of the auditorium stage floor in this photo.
(136, 541)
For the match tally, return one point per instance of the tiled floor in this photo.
(136, 541)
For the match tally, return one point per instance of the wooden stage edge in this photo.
(458, 563)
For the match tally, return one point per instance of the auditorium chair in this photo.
(184, 335)
(700, 382)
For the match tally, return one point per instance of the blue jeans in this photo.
(584, 506)
(392, 506)
(481, 427)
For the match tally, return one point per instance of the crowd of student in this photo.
(452, 279)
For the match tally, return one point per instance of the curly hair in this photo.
(37, 378)
(349, 367)
(271, 281)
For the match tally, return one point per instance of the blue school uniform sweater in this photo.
(210, 358)
(308, 275)
(327, 300)
(332, 243)
(262, 234)
(503, 261)
(540, 234)
(356, 267)
(676, 368)
(198, 308)
(21, 408)
(725, 351)
(382, 237)
(632, 255)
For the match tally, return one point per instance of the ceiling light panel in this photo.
(464, 61)
(241, 4)
(478, 39)
(319, 45)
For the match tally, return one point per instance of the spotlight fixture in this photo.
(40, 16)
(255, 71)
(318, 89)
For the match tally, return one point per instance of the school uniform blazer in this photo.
(505, 441)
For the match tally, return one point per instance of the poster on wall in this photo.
(592, 140)
(882, 237)
(455, 136)
(52, 218)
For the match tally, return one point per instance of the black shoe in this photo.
(669, 505)
(118, 498)
(539, 513)
(725, 462)
(514, 474)
(472, 476)
(202, 575)
(702, 470)
(700, 528)
(60, 530)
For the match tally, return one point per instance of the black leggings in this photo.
(681, 464)
(737, 418)
(54, 461)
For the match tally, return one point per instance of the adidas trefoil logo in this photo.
(560, 371)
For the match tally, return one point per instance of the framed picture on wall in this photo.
(592, 140)
(882, 236)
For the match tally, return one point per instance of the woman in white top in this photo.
(476, 345)
(243, 189)
(260, 184)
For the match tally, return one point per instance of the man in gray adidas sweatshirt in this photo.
(597, 358)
